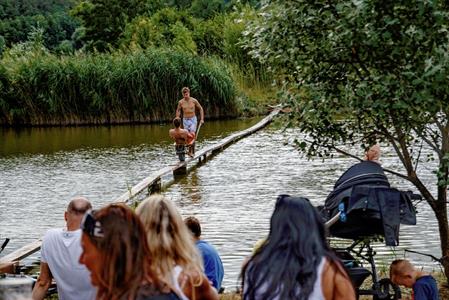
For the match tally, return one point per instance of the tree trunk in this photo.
(439, 207)
(443, 226)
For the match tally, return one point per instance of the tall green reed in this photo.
(138, 86)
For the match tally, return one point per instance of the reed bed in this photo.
(138, 86)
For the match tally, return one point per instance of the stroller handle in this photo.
(332, 220)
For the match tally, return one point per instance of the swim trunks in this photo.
(190, 124)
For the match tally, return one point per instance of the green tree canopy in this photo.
(19, 18)
(206, 9)
(105, 20)
(360, 71)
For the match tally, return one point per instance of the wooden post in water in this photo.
(155, 187)
(182, 170)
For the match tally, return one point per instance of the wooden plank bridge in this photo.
(153, 183)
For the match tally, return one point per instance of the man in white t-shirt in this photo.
(60, 252)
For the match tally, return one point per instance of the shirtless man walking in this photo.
(188, 106)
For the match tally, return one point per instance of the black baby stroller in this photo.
(364, 208)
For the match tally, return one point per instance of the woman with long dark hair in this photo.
(117, 255)
(295, 261)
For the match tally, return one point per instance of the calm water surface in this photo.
(232, 194)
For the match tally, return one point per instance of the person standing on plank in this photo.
(188, 106)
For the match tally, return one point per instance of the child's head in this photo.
(403, 273)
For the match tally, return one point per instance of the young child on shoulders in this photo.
(424, 286)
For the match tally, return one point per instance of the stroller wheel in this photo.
(386, 290)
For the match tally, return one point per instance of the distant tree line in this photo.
(18, 18)
(98, 25)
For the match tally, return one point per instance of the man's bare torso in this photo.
(188, 107)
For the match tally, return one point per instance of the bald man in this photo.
(60, 252)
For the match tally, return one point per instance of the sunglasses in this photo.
(91, 226)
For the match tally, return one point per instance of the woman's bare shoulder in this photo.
(336, 284)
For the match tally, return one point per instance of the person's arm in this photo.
(178, 110)
(344, 289)
(200, 108)
(43, 282)
(336, 285)
(197, 286)
(206, 291)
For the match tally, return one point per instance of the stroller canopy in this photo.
(364, 173)
(368, 205)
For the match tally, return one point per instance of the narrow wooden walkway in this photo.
(153, 183)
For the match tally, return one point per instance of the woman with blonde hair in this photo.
(172, 249)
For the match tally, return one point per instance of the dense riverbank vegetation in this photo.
(137, 86)
(125, 61)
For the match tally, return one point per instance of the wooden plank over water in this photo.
(155, 179)
(23, 252)
(203, 153)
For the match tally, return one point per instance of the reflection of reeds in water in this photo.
(141, 86)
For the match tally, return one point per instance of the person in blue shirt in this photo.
(424, 286)
(213, 267)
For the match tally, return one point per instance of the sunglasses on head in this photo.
(91, 226)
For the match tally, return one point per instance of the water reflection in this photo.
(47, 140)
(191, 188)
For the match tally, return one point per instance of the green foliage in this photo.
(110, 88)
(208, 36)
(65, 48)
(10, 9)
(167, 28)
(18, 18)
(168, 16)
(179, 4)
(34, 47)
(4, 88)
(182, 38)
(142, 33)
(375, 64)
(2, 45)
(205, 9)
(105, 20)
